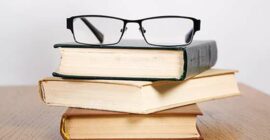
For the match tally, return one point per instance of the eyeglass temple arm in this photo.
(188, 36)
(95, 31)
(197, 27)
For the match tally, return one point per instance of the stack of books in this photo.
(133, 90)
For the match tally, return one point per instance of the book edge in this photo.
(190, 102)
(41, 91)
(104, 79)
(65, 135)
(128, 45)
(97, 112)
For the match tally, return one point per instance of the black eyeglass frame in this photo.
(196, 24)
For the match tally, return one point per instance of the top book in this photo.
(135, 60)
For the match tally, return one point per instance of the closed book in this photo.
(135, 60)
(141, 97)
(174, 124)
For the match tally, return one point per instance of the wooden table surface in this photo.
(23, 116)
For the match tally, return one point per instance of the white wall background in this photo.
(29, 28)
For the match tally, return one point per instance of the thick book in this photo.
(135, 60)
(174, 124)
(141, 97)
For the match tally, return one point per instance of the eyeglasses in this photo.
(107, 30)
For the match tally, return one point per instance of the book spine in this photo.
(199, 58)
(41, 91)
(63, 131)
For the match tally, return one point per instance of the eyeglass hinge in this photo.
(197, 25)
(69, 23)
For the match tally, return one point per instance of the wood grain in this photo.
(244, 117)
(23, 116)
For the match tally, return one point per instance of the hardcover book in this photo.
(140, 97)
(178, 123)
(135, 60)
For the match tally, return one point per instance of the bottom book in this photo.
(177, 123)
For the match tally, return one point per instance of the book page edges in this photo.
(187, 103)
(63, 130)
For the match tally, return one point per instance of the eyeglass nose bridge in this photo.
(139, 22)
